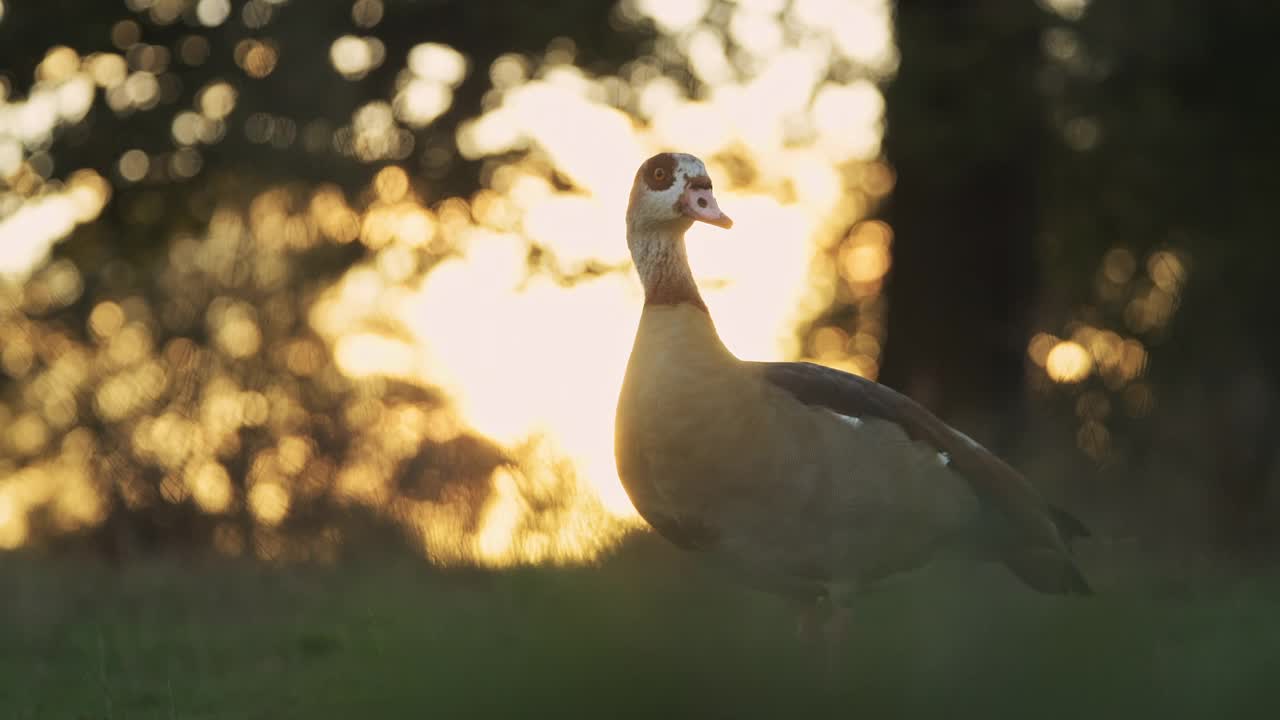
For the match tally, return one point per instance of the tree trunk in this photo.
(964, 131)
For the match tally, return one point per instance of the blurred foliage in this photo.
(1129, 140)
(161, 383)
(261, 212)
(1156, 199)
(338, 259)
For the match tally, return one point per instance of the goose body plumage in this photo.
(801, 479)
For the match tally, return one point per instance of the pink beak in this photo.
(699, 203)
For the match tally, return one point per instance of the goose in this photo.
(801, 479)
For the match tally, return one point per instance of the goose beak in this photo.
(698, 202)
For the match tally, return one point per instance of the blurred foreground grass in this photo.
(644, 633)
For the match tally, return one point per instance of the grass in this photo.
(646, 633)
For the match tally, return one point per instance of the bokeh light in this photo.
(458, 377)
(512, 308)
(353, 57)
(1068, 362)
(1142, 298)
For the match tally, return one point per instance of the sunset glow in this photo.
(529, 355)
(532, 361)
(511, 311)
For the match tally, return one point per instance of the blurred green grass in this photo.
(646, 632)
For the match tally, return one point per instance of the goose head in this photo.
(671, 192)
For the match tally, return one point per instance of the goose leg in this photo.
(836, 625)
(809, 620)
(833, 634)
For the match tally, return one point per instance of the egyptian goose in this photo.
(805, 480)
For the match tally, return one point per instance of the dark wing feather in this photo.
(1036, 544)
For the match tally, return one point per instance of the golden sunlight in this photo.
(531, 355)
(216, 100)
(353, 57)
(1068, 362)
(13, 523)
(518, 303)
(269, 502)
(28, 234)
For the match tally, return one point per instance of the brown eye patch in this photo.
(659, 172)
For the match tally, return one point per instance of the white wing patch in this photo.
(942, 457)
(852, 420)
